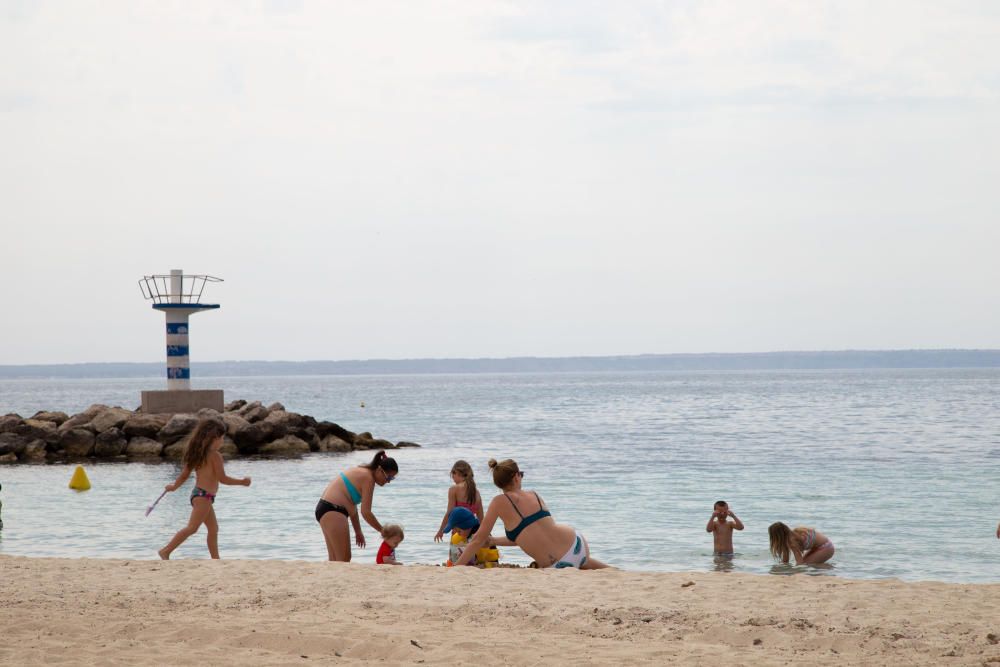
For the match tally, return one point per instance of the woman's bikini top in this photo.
(526, 520)
(351, 489)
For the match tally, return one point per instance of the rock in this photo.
(364, 435)
(12, 443)
(8, 423)
(235, 405)
(208, 413)
(374, 443)
(142, 447)
(78, 442)
(307, 434)
(34, 452)
(332, 443)
(276, 407)
(76, 421)
(403, 443)
(110, 443)
(176, 428)
(249, 439)
(286, 446)
(8, 458)
(228, 449)
(36, 429)
(326, 428)
(256, 414)
(110, 418)
(145, 425)
(289, 420)
(175, 452)
(234, 423)
(56, 418)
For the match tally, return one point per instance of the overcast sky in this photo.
(487, 179)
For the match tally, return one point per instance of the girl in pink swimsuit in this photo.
(463, 493)
(808, 545)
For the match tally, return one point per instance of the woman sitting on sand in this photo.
(808, 545)
(529, 525)
(340, 501)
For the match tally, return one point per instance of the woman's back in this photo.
(528, 523)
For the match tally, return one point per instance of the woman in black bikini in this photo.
(529, 525)
(339, 503)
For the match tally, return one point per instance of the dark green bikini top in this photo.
(525, 520)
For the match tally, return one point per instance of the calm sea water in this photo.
(901, 469)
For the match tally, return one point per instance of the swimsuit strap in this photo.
(514, 506)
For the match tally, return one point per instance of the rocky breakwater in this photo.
(116, 434)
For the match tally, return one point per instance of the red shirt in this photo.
(383, 551)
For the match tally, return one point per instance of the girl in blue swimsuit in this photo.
(529, 525)
(339, 503)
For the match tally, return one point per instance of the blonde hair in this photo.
(198, 447)
(465, 470)
(392, 530)
(782, 538)
(503, 472)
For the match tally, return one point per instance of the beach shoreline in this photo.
(80, 611)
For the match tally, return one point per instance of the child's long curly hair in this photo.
(781, 541)
(465, 470)
(200, 444)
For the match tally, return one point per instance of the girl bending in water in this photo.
(808, 545)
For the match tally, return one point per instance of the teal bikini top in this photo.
(526, 520)
(351, 489)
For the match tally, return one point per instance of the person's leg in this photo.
(337, 533)
(817, 556)
(590, 563)
(200, 508)
(212, 526)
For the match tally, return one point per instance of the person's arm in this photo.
(367, 492)
(998, 531)
(389, 560)
(479, 506)
(220, 471)
(359, 537)
(180, 479)
(711, 522)
(501, 541)
(482, 535)
(447, 513)
(737, 524)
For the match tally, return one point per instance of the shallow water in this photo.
(899, 468)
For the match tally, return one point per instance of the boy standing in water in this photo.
(722, 527)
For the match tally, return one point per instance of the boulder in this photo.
(286, 446)
(307, 434)
(34, 452)
(12, 443)
(78, 442)
(56, 418)
(289, 420)
(364, 435)
(177, 428)
(374, 443)
(144, 425)
(35, 429)
(276, 407)
(175, 452)
(228, 449)
(234, 423)
(332, 443)
(325, 428)
(8, 458)
(249, 439)
(141, 447)
(110, 418)
(403, 443)
(256, 414)
(208, 413)
(9, 423)
(235, 405)
(110, 443)
(76, 421)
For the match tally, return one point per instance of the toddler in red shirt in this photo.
(392, 535)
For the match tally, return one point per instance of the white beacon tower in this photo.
(178, 296)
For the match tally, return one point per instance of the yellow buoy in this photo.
(79, 481)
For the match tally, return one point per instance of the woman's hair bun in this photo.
(492, 463)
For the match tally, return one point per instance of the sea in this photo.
(899, 468)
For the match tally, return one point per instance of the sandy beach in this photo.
(56, 611)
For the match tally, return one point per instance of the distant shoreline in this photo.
(829, 360)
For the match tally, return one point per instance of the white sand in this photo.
(55, 611)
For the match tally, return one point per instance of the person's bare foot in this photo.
(163, 556)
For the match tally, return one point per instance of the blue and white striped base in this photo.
(178, 352)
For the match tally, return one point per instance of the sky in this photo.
(493, 179)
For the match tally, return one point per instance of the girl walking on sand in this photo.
(202, 456)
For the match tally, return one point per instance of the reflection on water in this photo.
(631, 460)
(815, 570)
